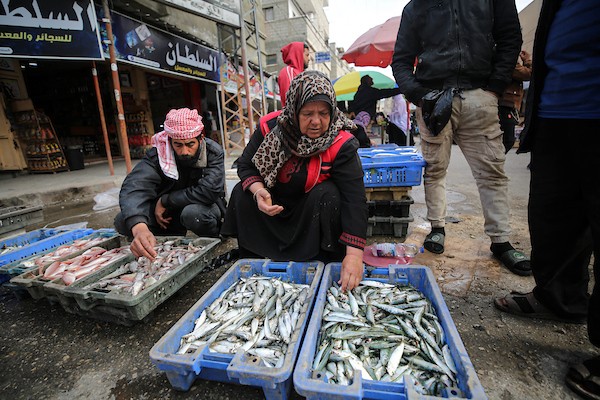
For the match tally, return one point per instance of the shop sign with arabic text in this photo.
(143, 45)
(57, 29)
(224, 11)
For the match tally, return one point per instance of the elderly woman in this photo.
(301, 195)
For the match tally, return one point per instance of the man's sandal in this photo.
(515, 261)
(527, 306)
(434, 242)
(582, 381)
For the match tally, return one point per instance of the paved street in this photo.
(47, 353)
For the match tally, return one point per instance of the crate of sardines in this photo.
(127, 290)
(392, 337)
(247, 329)
(71, 262)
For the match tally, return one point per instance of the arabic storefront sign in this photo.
(224, 11)
(140, 44)
(57, 29)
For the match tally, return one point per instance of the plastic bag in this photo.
(71, 227)
(403, 251)
(107, 199)
(437, 109)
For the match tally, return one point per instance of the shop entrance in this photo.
(165, 94)
(64, 91)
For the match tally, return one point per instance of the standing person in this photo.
(178, 185)
(399, 123)
(466, 52)
(297, 56)
(366, 97)
(362, 120)
(510, 103)
(301, 194)
(563, 123)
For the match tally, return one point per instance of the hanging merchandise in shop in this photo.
(63, 29)
(139, 44)
(232, 78)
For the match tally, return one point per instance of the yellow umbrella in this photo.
(346, 86)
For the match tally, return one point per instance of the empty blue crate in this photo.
(240, 368)
(314, 385)
(386, 168)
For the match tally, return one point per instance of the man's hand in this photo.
(143, 242)
(352, 269)
(159, 212)
(525, 57)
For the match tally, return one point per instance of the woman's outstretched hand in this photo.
(352, 269)
(265, 202)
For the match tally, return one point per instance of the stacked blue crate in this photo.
(391, 167)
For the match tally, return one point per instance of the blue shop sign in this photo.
(139, 44)
(57, 29)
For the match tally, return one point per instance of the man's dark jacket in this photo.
(457, 44)
(539, 71)
(147, 182)
(366, 98)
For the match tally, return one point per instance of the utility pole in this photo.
(117, 87)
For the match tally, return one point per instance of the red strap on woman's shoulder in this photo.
(264, 121)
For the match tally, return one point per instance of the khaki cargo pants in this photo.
(475, 128)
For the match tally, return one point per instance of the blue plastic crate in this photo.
(39, 241)
(33, 282)
(386, 148)
(183, 369)
(313, 387)
(42, 241)
(28, 238)
(389, 168)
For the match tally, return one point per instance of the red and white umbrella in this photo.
(375, 47)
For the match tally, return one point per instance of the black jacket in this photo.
(458, 44)
(146, 183)
(539, 70)
(366, 98)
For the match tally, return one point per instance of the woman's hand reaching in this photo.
(352, 269)
(265, 202)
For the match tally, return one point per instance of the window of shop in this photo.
(269, 13)
(271, 59)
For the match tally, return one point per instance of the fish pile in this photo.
(91, 260)
(61, 252)
(257, 315)
(140, 274)
(383, 332)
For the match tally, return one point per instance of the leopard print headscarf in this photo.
(286, 139)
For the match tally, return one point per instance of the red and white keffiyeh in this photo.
(181, 123)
